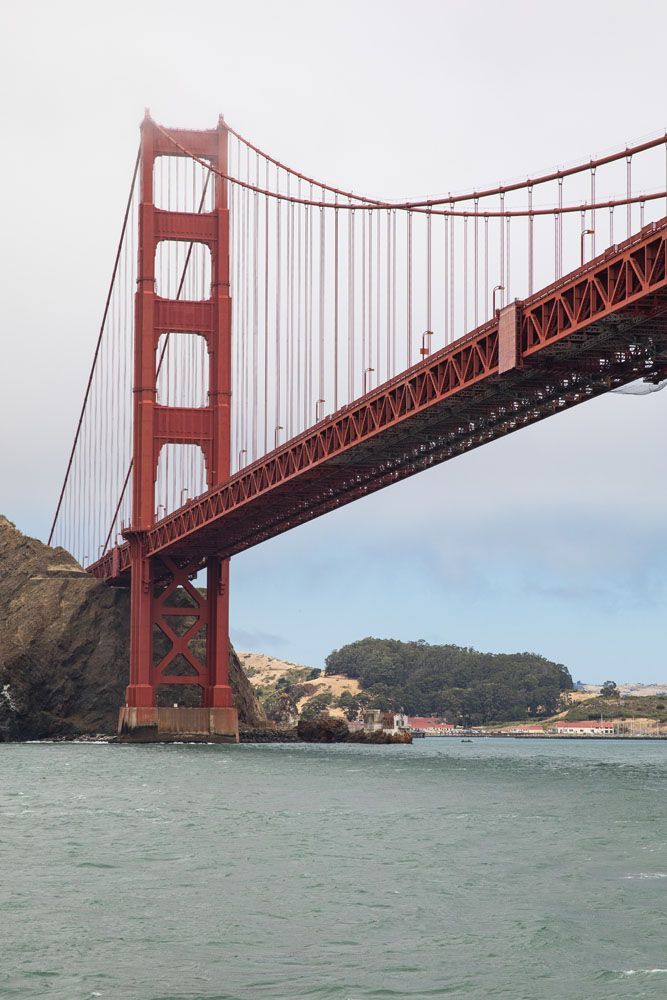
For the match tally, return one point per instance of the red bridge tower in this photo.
(162, 594)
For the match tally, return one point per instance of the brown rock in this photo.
(323, 729)
(64, 646)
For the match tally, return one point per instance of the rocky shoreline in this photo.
(64, 647)
(318, 731)
(64, 657)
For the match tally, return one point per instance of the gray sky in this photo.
(550, 540)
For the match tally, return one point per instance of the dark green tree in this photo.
(461, 683)
(317, 705)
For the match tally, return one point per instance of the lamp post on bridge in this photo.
(318, 403)
(367, 371)
(243, 451)
(425, 350)
(498, 288)
(276, 434)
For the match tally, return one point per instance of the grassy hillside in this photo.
(285, 689)
(632, 707)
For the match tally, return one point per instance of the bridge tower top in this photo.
(156, 425)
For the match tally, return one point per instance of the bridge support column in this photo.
(179, 643)
(140, 693)
(219, 693)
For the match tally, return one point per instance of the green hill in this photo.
(460, 683)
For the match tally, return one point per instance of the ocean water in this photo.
(498, 868)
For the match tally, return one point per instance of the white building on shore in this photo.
(588, 728)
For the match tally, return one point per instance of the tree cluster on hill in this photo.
(460, 683)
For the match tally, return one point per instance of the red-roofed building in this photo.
(429, 724)
(588, 728)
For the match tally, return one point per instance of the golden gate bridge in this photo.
(273, 347)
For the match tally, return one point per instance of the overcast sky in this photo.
(553, 539)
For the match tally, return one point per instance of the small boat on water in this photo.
(466, 741)
(418, 734)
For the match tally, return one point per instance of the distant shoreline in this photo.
(545, 736)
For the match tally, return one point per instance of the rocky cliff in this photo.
(64, 646)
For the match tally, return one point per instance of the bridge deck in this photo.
(599, 327)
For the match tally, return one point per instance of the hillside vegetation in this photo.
(631, 707)
(461, 683)
(289, 690)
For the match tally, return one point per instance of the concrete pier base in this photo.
(168, 725)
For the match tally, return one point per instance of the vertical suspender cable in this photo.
(452, 296)
(429, 325)
(266, 311)
(394, 292)
(628, 181)
(320, 385)
(465, 273)
(447, 221)
(378, 294)
(509, 261)
(300, 287)
(531, 238)
(593, 219)
(363, 297)
(350, 306)
(291, 329)
(370, 288)
(308, 314)
(486, 266)
(277, 357)
(408, 353)
(389, 371)
(560, 227)
(336, 305)
(476, 240)
(501, 251)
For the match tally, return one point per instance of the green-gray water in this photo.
(500, 868)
